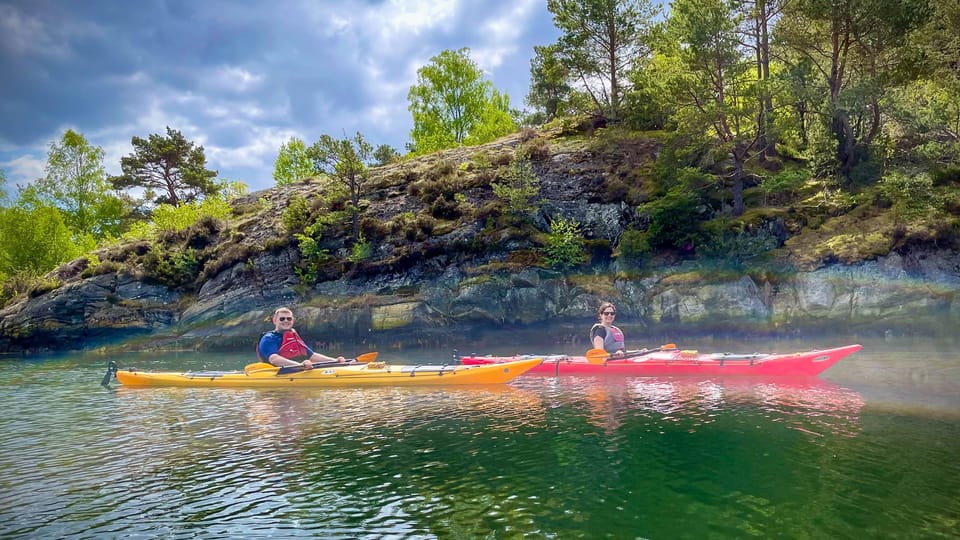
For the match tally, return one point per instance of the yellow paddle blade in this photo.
(259, 367)
(597, 356)
(367, 357)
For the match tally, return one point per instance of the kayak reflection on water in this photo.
(807, 404)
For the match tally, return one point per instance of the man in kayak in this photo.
(284, 347)
(604, 335)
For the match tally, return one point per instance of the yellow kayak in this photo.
(377, 374)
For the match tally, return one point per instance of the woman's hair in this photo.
(603, 306)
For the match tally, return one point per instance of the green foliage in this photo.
(385, 155)
(781, 188)
(231, 190)
(565, 244)
(361, 250)
(943, 176)
(296, 215)
(519, 188)
(675, 217)
(345, 161)
(534, 149)
(549, 84)
(3, 190)
(859, 52)
(75, 183)
(453, 105)
(735, 247)
(912, 196)
(293, 162)
(169, 218)
(139, 230)
(34, 241)
(633, 245)
(311, 258)
(43, 285)
(650, 103)
(600, 42)
(170, 168)
(175, 268)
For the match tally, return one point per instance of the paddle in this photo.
(600, 356)
(264, 368)
(111, 369)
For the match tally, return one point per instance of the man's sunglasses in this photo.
(284, 319)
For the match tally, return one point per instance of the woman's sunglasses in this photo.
(611, 313)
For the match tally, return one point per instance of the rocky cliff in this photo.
(430, 277)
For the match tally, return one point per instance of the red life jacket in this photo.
(292, 347)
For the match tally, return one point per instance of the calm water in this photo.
(869, 450)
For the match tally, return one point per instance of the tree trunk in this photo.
(739, 158)
(801, 107)
(846, 142)
(762, 113)
(769, 147)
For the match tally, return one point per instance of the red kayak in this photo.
(683, 362)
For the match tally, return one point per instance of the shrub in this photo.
(175, 269)
(43, 286)
(911, 195)
(374, 228)
(633, 245)
(297, 214)
(177, 218)
(444, 208)
(782, 187)
(312, 257)
(674, 220)
(564, 244)
(943, 176)
(361, 250)
(519, 188)
(536, 149)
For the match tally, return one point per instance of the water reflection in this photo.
(541, 457)
(810, 405)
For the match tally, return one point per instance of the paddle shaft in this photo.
(264, 366)
(634, 354)
(600, 356)
(296, 369)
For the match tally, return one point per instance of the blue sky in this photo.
(238, 77)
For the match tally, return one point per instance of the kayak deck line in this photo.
(341, 375)
(672, 361)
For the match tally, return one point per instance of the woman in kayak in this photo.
(283, 346)
(604, 335)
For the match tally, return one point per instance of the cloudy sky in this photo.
(239, 77)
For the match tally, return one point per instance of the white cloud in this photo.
(240, 78)
(403, 20)
(502, 34)
(23, 169)
(235, 78)
(24, 35)
(259, 152)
